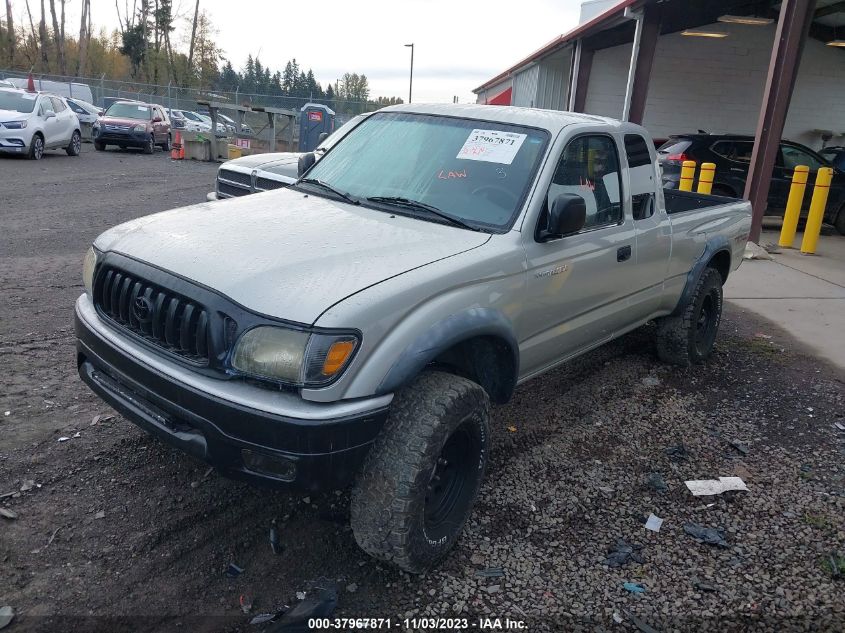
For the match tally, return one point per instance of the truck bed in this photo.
(680, 201)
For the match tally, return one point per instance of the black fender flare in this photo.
(714, 245)
(445, 334)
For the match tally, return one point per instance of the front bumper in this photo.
(215, 420)
(13, 144)
(129, 139)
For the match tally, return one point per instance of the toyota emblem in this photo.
(142, 309)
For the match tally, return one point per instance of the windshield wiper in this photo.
(415, 204)
(328, 187)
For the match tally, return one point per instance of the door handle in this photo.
(623, 253)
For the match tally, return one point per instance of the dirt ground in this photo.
(115, 531)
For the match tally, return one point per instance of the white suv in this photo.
(31, 122)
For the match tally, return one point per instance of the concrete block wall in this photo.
(716, 85)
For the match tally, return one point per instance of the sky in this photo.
(458, 44)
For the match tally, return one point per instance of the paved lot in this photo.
(121, 533)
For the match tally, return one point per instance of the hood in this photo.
(113, 120)
(13, 115)
(285, 254)
(288, 168)
(263, 160)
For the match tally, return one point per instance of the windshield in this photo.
(191, 116)
(475, 171)
(339, 133)
(129, 111)
(17, 101)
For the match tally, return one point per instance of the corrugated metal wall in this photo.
(525, 87)
(553, 82)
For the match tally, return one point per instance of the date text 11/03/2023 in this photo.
(417, 624)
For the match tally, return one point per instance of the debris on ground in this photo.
(246, 603)
(650, 381)
(8, 514)
(839, 426)
(711, 536)
(7, 413)
(677, 453)
(741, 447)
(653, 523)
(708, 487)
(835, 564)
(275, 544)
(7, 614)
(320, 603)
(754, 251)
(623, 553)
(233, 571)
(656, 482)
(704, 586)
(300, 595)
(352, 587)
(64, 438)
(642, 626)
(633, 587)
(263, 618)
(100, 515)
(27, 484)
(101, 417)
(512, 429)
(617, 618)
(490, 572)
(75, 435)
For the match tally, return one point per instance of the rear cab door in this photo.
(52, 126)
(66, 118)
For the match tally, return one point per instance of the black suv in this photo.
(835, 156)
(731, 154)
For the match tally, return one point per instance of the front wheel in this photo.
(75, 145)
(422, 475)
(36, 147)
(100, 147)
(166, 145)
(150, 145)
(689, 337)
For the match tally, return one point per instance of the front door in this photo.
(577, 285)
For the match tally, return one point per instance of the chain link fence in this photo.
(96, 89)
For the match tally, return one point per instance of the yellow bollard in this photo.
(817, 205)
(793, 206)
(687, 175)
(705, 177)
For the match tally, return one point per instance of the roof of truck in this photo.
(552, 120)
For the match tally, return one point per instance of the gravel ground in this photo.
(121, 533)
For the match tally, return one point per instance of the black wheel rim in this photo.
(451, 482)
(705, 327)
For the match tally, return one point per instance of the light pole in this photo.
(411, 85)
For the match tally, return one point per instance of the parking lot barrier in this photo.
(705, 177)
(687, 175)
(817, 205)
(793, 206)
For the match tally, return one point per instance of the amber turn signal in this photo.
(338, 354)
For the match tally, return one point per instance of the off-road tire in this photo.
(150, 145)
(389, 499)
(36, 147)
(165, 147)
(688, 338)
(839, 223)
(75, 146)
(100, 147)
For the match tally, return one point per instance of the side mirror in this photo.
(305, 162)
(49, 114)
(101, 113)
(322, 137)
(567, 215)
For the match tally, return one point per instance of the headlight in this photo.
(292, 356)
(88, 266)
(140, 128)
(15, 125)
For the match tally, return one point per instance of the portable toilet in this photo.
(314, 119)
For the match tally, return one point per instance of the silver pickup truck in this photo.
(355, 327)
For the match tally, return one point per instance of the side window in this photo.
(739, 151)
(58, 106)
(589, 167)
(792, 157)
(46, 106)
(641, 171)
(76, 108)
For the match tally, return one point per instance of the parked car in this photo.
(222, 130)
(731, 153)
(261, 172)
(109, 101)
(835, 156)
(86, 112)
(32, 122)
(191, 121)
(232, 125)
(74, 90)
(6, 84)
(133, 124)
(354, 328)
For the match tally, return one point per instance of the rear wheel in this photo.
(688, 338)
(100, 147)
(36, 147)
(150, 145)
(422, 476)
(75, 145)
